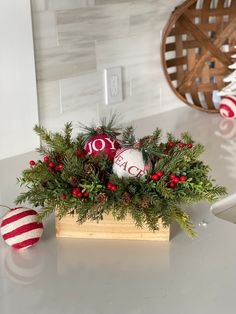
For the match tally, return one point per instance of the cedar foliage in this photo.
(146, 200)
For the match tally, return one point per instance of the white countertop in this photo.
(67, 276)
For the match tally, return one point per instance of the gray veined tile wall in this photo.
(76, 39)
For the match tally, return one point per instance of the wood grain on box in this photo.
(108, 228)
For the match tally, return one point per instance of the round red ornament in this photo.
(102, 143)
(20, 229)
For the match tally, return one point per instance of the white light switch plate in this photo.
(113, 85)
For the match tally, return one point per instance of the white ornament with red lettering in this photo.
(102, 143)
(228, 107)
(129, 162)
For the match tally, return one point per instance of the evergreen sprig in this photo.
(106, 126)
(149, 201)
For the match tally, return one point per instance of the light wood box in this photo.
(108, 228)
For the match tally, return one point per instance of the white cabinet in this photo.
(18, 94)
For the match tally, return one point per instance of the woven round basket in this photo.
(197, 45)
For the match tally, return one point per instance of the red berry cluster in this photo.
(77, 193)
(111, 187)
(175, 180)
(182, 145)
(171, 145)
(156, 176)
(51, 165)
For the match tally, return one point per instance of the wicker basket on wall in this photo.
(197, 45)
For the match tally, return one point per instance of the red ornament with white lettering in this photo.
(102, 143)
(129, 162)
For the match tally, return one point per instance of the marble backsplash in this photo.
(76, 39)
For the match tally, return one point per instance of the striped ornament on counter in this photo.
(228, 107)
(20, 229)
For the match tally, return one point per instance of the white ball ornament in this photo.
(20, 229)
(228, 107)
(129, 162)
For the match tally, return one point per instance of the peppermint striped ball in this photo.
(20, 229)
(228, 107)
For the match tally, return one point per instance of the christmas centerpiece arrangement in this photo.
(105, 170)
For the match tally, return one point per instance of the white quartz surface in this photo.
(68, 276)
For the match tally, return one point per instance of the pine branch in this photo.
(44, 135)
(184, 221)
(67, 134)
(128, 137)
(106, 126)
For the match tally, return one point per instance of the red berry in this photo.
(190, 145)
(176, 180)
(32, 163)
(46, 158)
(183, 178)
(154, 177)
(71, 179)
(160, 173)
(86, 194)
(170, 144)
(166, 151)
(79, 195)
(80, 154)
(109, 185)
(172, 176)
(114, 188)
(51, 164)
(181, 145)
(172, 185)
(76, 191)
(60, 166)
(63, 196)
(49, 168)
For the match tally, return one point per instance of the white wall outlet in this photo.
(113, 85)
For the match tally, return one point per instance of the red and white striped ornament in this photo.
(20, 229)
(228, 107)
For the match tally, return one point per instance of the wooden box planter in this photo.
(108, 228)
